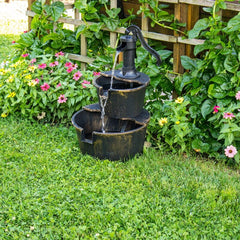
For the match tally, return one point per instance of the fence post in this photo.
(193, 16)
(145, 21)
(179, 49)
(83, 40)
(113, 36)
(30, 2)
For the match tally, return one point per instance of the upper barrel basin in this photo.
(122, 139)
(126, 98)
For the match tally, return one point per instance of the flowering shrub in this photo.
(173, 124)
(47, 87)
(211, 85)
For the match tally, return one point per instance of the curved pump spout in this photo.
(128, 47)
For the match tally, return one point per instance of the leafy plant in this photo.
(47, 87)
(47, 34)
(100, 15)
(212, 80)
(158, 16)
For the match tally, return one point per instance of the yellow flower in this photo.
(0, 85)
(28, 76)
(177, 122)
(10, 79)
(32, 83)
(3, 115)
(179, 100)
(197, 150)
(16, 64)
(32, 68)
(162, 121)
(41, 116)
(12, 94)
(3, 71)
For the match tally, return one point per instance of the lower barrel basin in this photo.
(122, 139)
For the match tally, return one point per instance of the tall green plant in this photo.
(47, 34)
(211, 83)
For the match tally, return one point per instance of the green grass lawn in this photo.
(49, 190)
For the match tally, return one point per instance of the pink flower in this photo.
(13, 42)
(45, 87)
(96, 73)
(85, 82)
(62, 99)
(68, 64)
(77, 75)
(59, 85)
(228, 115)
(230, 151)
(33, 60)
(70, 69)
(25, 55)
(42, 65)
(215, 109)
(59, 54)
(25, 31)
(75, 66)
(237, 95)
(36, 80)
(52, 64)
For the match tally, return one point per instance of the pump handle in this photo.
(138, 34)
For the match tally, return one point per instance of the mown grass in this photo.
(49, 190)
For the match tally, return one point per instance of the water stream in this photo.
(104, 97)
(113, 69)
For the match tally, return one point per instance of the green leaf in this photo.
(197, 144)
(96, 27)
(188, 63)
(37, 7)
(183, 81)
(207, 107)
(229, 139)
(219, 79)
(113, 13)
(27, 39)
(218, 64)
(233, 24)
(200, 25)
(111, 24)
(36, 23)
(164, 54)
(51, 36)
(215, 91)
(237, 157)
(193, 110)
(201, 47)
(231, 63)
(57, 10)
(80, 30)
(195, 90)
(103, 1)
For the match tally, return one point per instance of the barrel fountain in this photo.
(115, 127)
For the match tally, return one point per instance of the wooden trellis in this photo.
(186, 11)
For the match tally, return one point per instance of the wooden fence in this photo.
(186, 11)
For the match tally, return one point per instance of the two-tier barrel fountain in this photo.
(115, 127)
